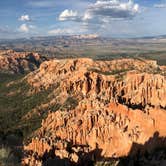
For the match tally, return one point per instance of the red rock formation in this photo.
(121, 104)
(19, 62)
(126, 86)
(113, 129)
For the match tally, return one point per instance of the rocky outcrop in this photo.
(108, 131)
(120, 110)
(119, 80)
(19, 62)
(87, 36)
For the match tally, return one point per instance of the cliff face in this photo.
(112, 129)
(120, 104)
(119, 80)
(19, 62)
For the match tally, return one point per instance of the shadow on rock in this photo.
(152, 153)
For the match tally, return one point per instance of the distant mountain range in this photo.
(84, 36)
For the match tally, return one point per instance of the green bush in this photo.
(15, 103)
(70, 103)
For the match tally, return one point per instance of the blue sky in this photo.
(114, 18)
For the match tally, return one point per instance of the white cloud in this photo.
(32, 27)
(68, 31)
(24, 28)
(162, 5)
(103, 10)
(24, 18)
(114, 9)
(68, 15)
(61, 31)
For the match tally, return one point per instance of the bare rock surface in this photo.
(19, 62)
(120, 110)
(128, 81)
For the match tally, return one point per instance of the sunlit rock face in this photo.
(120, 110)
(19, 62)
(128, 81)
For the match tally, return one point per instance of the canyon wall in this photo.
(120, 110)
(19, 62)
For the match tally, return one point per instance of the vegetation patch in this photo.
(112, 72)
(70, 104)
(14, 107)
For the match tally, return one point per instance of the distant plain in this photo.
(99, 48)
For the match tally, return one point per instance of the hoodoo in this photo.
(117, 109)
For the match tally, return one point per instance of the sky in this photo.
(110, 18)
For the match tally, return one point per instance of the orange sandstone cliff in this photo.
(115, 109)
(19, 62)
